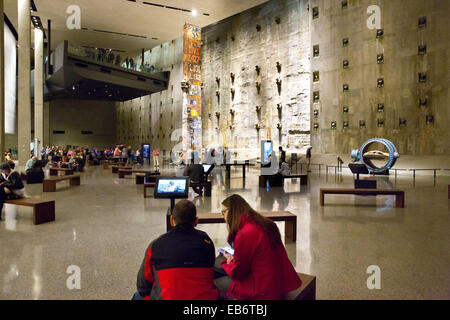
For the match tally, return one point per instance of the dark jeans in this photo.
(197, 190)
(221, 280)
(3, 197)
(137, 296)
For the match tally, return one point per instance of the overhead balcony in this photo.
(81, 74)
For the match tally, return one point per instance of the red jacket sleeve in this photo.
(145, 276)
(245, 245)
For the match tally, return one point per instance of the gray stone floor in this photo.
(104, 226)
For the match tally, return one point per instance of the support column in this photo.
(46, 138)
(38, 90)
(24, 79)
(2, 80)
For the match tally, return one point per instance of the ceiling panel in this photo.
(156, 24)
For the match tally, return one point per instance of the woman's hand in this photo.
(229, 258)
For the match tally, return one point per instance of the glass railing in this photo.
(110, 57)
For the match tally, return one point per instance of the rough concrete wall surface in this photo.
(274, 32)
(399, 69)
(153, 118)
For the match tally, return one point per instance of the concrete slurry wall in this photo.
(153, 118)
(277, 31)
(402, 64)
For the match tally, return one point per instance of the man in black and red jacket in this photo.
(179, 265)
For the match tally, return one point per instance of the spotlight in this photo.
(194, 12)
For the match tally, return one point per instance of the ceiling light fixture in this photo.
(194, 12)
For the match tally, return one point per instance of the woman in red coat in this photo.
(260, 267)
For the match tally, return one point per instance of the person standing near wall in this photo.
(308, 158)
(282, 155)
(156, 159)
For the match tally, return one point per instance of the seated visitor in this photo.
(9, 159)
(73, 164)
(117, 152)
(64, 162)
(284, 170)
(30, 163)
(259, 268)
(11, 185)
(179, 265)
(139, 158)
(56, 159)
(196, 174)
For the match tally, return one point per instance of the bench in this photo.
(148, 185)
(127, 172)
(278, 180)
(43, 210)
(205, 184)
(290, 220)
(140, 178)
(399, 194)
(307, 290)
(54, 171)
(50, 182)
(115, 169)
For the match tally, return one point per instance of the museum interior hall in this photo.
(224, 149)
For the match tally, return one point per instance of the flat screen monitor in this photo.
(267, 150)
(207, 168)
(172, 188)
(146, 151)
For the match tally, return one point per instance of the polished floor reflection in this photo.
(105, 225)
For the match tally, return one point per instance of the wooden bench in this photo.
(307, 290)
(115, 169)
(43, 210)
(54, 171)
(399, 194)
(140, 178)
(148, 185)
(290, 220)
(49, 184)
(205, 184)
(127, 172)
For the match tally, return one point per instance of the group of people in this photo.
(283, 167)
(182, 264)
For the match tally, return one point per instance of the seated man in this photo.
(179, 265)
(11, 185)
(36, 173)
(196, 174)
(30, 163)
(284, 170)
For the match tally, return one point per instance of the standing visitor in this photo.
(308, 158)
(156, 160)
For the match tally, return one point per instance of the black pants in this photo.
(197, 190)
(221, 280)
(3, 197)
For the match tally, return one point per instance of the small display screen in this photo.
(172, 186)
(267, 150)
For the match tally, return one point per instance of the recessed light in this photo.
(194, 12)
